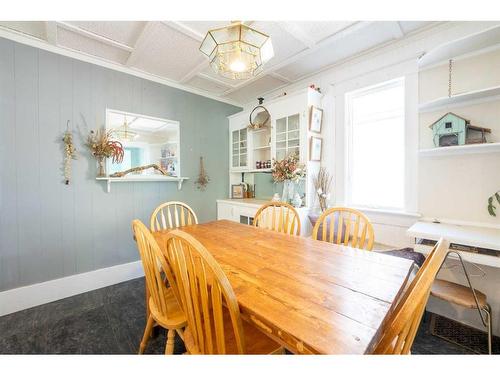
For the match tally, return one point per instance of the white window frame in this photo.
(349, 144)
(337, 160)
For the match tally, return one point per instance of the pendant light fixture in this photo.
(237, 51)
(124, 133)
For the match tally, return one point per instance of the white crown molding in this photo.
(38, 294)
(41, 44)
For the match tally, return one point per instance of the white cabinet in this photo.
(243, 211)
(225, 211)
(239, 149)
(288, 135)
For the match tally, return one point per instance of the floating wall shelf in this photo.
(110, 180)
(460, 47)
(472, 97)
(481, 148)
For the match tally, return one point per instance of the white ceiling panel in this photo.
(167, 52)
(337, 50)
(33, 28)
(90, 46)
(207, 85)
(253, 90)
(284, 44)
(319, 30)
(201, 27)
(170, 49)
(125, 32)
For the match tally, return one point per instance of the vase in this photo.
(101, 166)
(288, 191)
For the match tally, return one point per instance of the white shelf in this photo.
(265, 170)
(145, 178)
(463, 46)
(262, 148)
(472, 97)
(480, 148)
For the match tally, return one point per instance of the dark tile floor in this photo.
(111, 321)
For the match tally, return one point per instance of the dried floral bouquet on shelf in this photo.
(102, 145)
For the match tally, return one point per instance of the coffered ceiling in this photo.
(169, 49)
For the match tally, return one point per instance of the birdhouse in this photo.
(454, 130)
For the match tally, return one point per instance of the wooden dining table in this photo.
(308, 295)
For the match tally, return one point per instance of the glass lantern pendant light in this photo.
(237, 51)
(124, 133)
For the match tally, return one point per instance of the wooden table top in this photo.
(312, 296)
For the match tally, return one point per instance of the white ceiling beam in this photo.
(396, 29)
(332, 38)
(296, 31)
(281, 77)
(214, 79)
(51, 32)
(94, 36)
(145, 32)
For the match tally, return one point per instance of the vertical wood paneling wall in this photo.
(49, 230)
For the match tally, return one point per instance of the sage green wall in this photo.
(49, 230)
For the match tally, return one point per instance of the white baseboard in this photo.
(37, 294)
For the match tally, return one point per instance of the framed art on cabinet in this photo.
(315, 148)
(315, 119)
(237, 191)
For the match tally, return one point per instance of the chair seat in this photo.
(256, 342)
(176, 318)
(458, 294)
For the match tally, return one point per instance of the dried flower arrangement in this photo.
(69, 153)
(203, 178)
(288, 169)
(323, 184)
(102, 146)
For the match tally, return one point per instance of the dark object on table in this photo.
(407, 253)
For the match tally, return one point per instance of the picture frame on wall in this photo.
(315, 119)
(315, 148)
(237, 192)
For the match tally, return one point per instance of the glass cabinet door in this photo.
(239, 148)
(287, 136)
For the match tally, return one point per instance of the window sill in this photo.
(389, 217)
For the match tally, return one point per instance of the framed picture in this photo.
(315, 119)
(237, 191)
(315, 146)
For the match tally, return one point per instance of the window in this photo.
(375, 120)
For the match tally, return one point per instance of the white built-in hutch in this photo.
(289, 132)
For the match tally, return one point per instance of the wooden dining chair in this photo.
(401, 328)
(279, 217)
(344, 226)
(164, 308)
(214, 322)
(171, 215)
